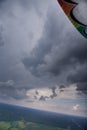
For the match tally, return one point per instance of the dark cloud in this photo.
(59, 56)
(80, 74)
(42, 98)
(82, 87)
(8, 91)
(36, 92)
(20, 20)
(62, 86)
(36, 61)
(1, 1)
(59, 53)
(11, 52)
(25, 4)
(71, 58)
(54, 92)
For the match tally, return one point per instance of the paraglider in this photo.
(71, 9)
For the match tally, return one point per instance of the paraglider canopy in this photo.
(76, 10)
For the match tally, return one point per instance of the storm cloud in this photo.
(58, 53)
(82, 87)
(39, 48)
(9, 91)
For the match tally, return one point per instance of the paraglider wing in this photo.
(71, 9)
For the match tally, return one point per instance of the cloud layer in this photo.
(41, 53)
(58, 54)
(8, 91)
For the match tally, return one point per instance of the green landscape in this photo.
(22, 125)
(21, 118)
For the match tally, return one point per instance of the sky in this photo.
(43, 58)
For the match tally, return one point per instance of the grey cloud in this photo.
(42, 98)
(62, 86)
(16, 17)
(59, 53)
(29, 101)
(36, 61)
(53, 95)
(61, 90)
(8, 91)
(5, 5)
(82, 87)
(79, 75)
(1, 1)
(54, 92)
(70, 58)
(36, 92)
(9, 83)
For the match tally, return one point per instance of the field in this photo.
(21, 125)
(21, 118)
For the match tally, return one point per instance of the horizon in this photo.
(41, 110)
